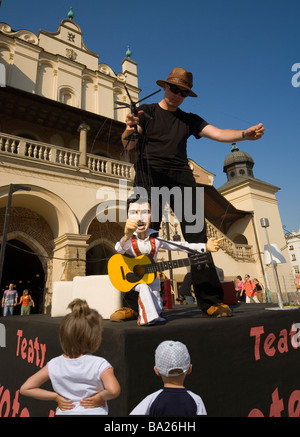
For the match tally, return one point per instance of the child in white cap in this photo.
(172, 364)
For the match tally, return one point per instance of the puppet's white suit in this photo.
(149, 300)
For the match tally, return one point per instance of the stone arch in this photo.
(68, 95)
(97, 255)
(87, 219)
(239, 239)
(48, 205)
(46, 62)
(29, 134)
(41, 252)
(101, 243)
(32, 230)
(27, 259)
(108, 233)
(91, 216)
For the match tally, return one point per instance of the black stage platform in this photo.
(244, 365)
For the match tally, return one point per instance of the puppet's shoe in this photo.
(148, 324)
(219, 310)
(123, 314)
(153, 322)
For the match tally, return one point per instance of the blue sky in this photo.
(241, 53)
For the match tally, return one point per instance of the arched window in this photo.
(68, 96)
(239, 239)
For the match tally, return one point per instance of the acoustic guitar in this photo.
(126, 272)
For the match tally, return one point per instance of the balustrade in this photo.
(34, 150)
(240, 252)
(60, 156)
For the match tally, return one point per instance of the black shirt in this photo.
(173, 402)
(164, 143)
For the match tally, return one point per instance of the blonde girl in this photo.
(82, 382)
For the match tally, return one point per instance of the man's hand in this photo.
(212, 244)
(132, 120)
(254, 132)
(232, 135)
(132, 123)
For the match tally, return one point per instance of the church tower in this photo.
(248, 193)
(238, 164)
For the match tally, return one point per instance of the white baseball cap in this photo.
(171, 355)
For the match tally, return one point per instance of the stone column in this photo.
(83, 130)
(69, 260)
(69, 256)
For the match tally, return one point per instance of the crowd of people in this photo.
(249, 290)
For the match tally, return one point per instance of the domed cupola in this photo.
(238, 164)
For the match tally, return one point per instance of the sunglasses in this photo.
(175, 90)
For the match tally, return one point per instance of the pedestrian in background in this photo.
(9, 300)
(26, 302)
(250, 290)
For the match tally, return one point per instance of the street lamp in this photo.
(12, 189)
(265, 224)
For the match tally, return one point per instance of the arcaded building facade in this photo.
(60, 130)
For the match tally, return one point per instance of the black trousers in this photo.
(207, 287)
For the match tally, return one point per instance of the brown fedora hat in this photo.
(180, 77)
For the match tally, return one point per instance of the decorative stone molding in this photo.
(25, 35)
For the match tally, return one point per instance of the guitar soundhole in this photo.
(139, 270)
